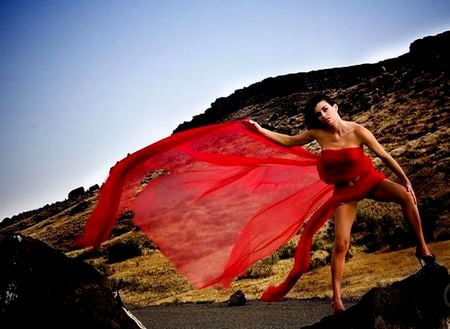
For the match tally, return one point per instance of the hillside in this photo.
(404, 101)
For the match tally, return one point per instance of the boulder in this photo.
(80, 207)
(237, 299)
(41, 287)
(94, 188)
(75, 193)
(421, 301)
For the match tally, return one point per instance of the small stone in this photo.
(237, 299)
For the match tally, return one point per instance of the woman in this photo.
(341, 141)
(226, 196)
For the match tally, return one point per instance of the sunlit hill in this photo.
(404, 101)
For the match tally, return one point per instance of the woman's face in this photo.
(326, 113)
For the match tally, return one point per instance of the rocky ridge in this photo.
(404, 101)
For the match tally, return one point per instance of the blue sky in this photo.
(83, 83)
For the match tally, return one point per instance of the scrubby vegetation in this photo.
(123, 250)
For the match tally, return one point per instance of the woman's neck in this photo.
(338, 127)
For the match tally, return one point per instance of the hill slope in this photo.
(404, 101)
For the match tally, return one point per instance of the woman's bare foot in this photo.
(337, 306)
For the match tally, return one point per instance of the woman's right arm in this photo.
(286, 140)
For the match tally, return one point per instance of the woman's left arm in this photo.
(369, 139)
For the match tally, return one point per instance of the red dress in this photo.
(229, 198)
(354, 177)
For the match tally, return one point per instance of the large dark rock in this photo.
(421, 301)
(40, 287)
(76, 193)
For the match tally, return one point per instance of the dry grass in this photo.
(151, 280)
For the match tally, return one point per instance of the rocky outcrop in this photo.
(42, 288)
(80, 207)
(421, 301)
(76, 193)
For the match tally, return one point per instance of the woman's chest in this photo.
(338, 141)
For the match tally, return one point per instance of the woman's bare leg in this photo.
(344, 217)
(388, 191)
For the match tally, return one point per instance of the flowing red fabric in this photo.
(229, 197)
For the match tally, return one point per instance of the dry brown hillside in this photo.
(404, 101)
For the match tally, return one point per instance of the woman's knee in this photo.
(389, 191)
(341, 245)
(405, 199)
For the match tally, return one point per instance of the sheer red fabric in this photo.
(229, 197)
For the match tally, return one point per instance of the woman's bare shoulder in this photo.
(356, 127)
(315, 133)
(363, 133)
(353, 124)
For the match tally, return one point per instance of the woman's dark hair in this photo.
(311, 119)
